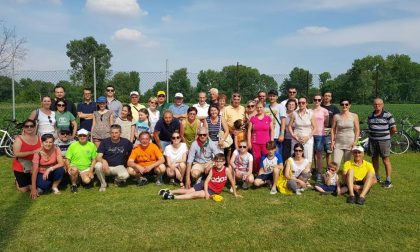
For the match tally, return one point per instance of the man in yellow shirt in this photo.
(359, 176)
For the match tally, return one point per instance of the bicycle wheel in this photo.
(8, 150)
(399, 143)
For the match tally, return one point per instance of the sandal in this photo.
(182, 185)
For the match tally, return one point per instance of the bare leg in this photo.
(350, 181)
(388, 166)
(370, 180)
(193, 195)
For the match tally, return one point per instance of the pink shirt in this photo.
(320, 115)
(260, 129)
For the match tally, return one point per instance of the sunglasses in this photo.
(82, 135)
(345, 104)
(202, 135)
(64, 133)
(250, 106)
(298, 150)
(153, 102)
(61, 105)
(110, 90)
(301, 102)
(220, 161)
(29, 126)
(357, 152)
(292, 92)
(161, 95)
(317, 100)
(49, 119)
(177, 137)
(192, 113)
(242, 147)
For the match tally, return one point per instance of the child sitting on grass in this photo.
(214, 183)
(271, 164)
(331, 181)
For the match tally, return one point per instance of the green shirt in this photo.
(63, 120)
(81, 156)
(162, 108)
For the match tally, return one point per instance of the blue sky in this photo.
(272, 36)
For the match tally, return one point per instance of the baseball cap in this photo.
(161, 93)
(101, 99)
(134, 93)
(82, 132)
(358, 148)
(273, 92)
(179, 95)
(65, 130)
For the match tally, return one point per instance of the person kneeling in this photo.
(271, 165)
(213, 185)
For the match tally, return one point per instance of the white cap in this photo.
(179, 95)
(134, 93)
(358, 148)
(82, 132)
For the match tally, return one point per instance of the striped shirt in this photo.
(214, 129)
(380, 126)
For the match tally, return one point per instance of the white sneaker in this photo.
(298, 192)
(273, 191)
(102, 189)
(55, 190)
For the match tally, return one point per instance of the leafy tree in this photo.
(81, 54)
(179, 82)
(6, 88)
(161, 85)
(125, 82)
(31, 91)
(299, 78)
(208, 79)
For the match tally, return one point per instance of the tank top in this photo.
(214, 128)
(125, 127)
(16, 165)
(46, 123)
(190, 131)
(303, 124)
(345, 132)
(102, 125)
(218, 180)
(297, 168)
(43, 164)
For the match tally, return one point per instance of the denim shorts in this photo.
(200, 187)
(322, 143)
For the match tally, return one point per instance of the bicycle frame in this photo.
(5, 136)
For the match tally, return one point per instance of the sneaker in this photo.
(300, 189)
(308, 185)
(318, 178)
(360, 201)
(245, 186)
(159, 181)
(351, 199)
(73, 188)
(163, 191)
(231, 188)
(378, 178)
(273, 191)
(102, 189)
(118, 183)
(39, 190)
(168, 196)
(387, 184)
(141, 181)
(55, 190)
(298, 192)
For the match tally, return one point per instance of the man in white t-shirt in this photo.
(291, 94)
(278, 116)
(202, 106)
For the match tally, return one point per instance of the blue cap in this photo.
(101, 99)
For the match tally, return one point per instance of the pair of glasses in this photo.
(357, 152)
(242, 147)
(49, 119)
(220, 161)
(153, 102)
(110, 90)
(292, 92)
(301, 102)
(102, 116)
(161, 95)
(64, 133)
(202, 135)
(192, 113)
(317, 100)
(250, 106)
(345, 104)
(82, 135)
(29, 126)
(298, 150)
(61, 105)
(177, 137)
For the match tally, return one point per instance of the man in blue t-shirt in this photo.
(113, 153)
(85, 110)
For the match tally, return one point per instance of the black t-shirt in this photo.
(115, 153)
(332, 110)
(165, 130)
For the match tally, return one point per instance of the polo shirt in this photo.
(81, 155)
(178, 110)
(86, 108)
(361, 171)
(380, 126)
(165, 130)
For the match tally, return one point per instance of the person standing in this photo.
(85, 110)
(214, 96)
(202, 106)
(162, 104)
(232, 113)
(179, 108)
(60, 94)
(135, 105)
(44, 117)
(320, 115)
(381, 127)
(113, 104)
(277, 112)
(332, 111)
(291, 95)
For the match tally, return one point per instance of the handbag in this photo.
(26, 164)
(228, 141)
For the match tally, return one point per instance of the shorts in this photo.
(23, 179)
(329, 188)
(322, 143)
(242, 173)
(379, 148)
(359, 182)
(265, 176)
(200, 187)
(200, 166)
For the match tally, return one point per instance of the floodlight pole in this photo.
(167, 81)
(94, 78)
(13, 89)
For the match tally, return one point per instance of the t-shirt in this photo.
(319, 115)
(296, 168)
(175, 154)
(125, 127)
(162, 108)
(86, 108)
(115, 106)
(279, 111)
(332, 110)
(242, 161)
(232, 114)
(81, 155)
(178, 110)
(380, 126)
(361, 171)
(165, 130)
(260, 129)
(146, 156)
(198, 155)
(115, 153)
(42, 163)
(63, 120)
(268, 164)
(153, 119)
(63, 145)
(218, 180)
(142, 126)
(202, 110)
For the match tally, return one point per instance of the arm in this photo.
(35, 166)
(333, 132)
(160, 161)
(290, 126)
(157, 139)
(32, 115)
(282, 128)
(249, 135)
(17, 145)
(206, 184)
(111, 118)
(271, 131)
(232, 182)
(132, 130)
(226, 132)
(74, 125)
(356, 129)
(187, 176)
(140, 169)
(286, 171)
(182, 131)
(232, 161)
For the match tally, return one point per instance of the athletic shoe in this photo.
(141, 181)
(378, 178)
(163, 191)
(168, 196)
(298, 192)
(102, 189)
(351, 199)
(245, 186)
(387, 184)
(360, 201)
(118, 183)
(73, 188)
(39, 190)
(159, 181)
(273, 191)
(318, 178)
(55, 190)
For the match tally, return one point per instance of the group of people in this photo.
(200, 147)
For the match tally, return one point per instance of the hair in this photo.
(250, 101)
(222, 97)
(333, 164)
(238, 124)
(87, 89)
(303, 97)
(326, 91)
(192, 109)
(152, 99)
(97, 106)
(345, 99)
(298, 145)
(145, 133)
(261, 91)
(292, 87)
(109, 85)
(29, 120)
(259, 103)
(318, 94)
(59, 86)
(244, 141)
(236, 94)
(215, 90)
(146, 112)
(270, 145)
(45, 96)
(219, 156)
(116, 126)
(61, 100)
(167, 112)
(213, 106)
(291, 101)
(45, 137)
(129, 114)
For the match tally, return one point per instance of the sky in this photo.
(273, 36)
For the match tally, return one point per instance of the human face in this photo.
(115, 134)
(317, 100)
(219, 163)
(59, 93)
(134, 99)
(110, 91)
(168, 118)
(243, 147)
(302, 103)
(214, 112)
(192, 115)
(48, 144)
(161, 98)
(262, 96)
(250, 107)
(358, 155)
(298, 152)
(87, 95)
(260, 108)
(124, 112)
(272, 98)
(271, 152)
(178, 100)
(153, 104)
(345, 105)
(29, 127)
(144, 140)
(202, 135)
(222, 103)
(201, 98)
(327, 98)
(176, 138)
(378, 105)
(61, 106)
(82, 139)
(332, 169)
(102, 105)
(292, 93)
(291, 106)
(63, 136)
(142, 116)
(236, 101)
(46, 102)
(213, 95)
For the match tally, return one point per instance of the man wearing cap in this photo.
(60, 94)
(85, 110)
(135, 105)
(179, 109)
(214, 97)
(359, 176)
(113, 104)
(202, 106)
(81, 158)
(162, 104)
(145, 158)
(112, 157)
(291, 94)
(277, 113)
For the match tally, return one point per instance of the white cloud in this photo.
(167, 19)
(337, 4)
(308, 30)
(116, 7)
(133, 35)
(404, 32)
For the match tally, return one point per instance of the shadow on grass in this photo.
(12, 211)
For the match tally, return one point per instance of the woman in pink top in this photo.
(321, 117)
(260, 130)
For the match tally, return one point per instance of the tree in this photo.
(300, 79)
(81, 54)
(125, 82)
(5, 89)
(29, 90)
(179, 82)
(208, 79)
(11, 47)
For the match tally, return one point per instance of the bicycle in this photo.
(402, 140)
(7, 139)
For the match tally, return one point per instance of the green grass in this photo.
(135, 218)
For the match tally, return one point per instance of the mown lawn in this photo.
(135, 218)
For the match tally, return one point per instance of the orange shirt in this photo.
(146, 156)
